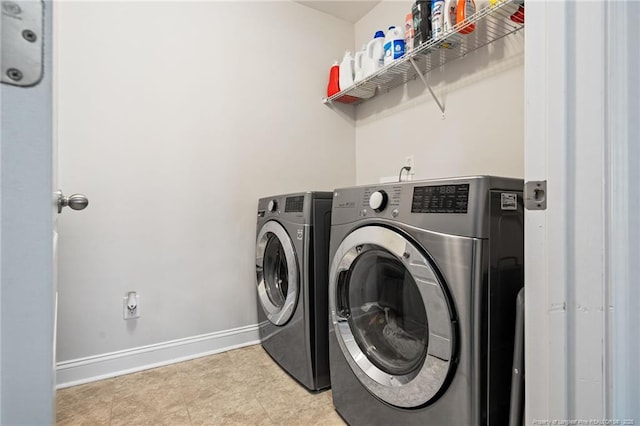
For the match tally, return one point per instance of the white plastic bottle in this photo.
(437, 19)
(393, 44)
(375, 54)
(359, 64)
(449, 16)
(346, 71)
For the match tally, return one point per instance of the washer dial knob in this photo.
(272, 206)
(378, 201)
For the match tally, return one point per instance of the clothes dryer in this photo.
(292, 249)
(423, 283)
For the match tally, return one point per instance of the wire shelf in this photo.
(491, 24)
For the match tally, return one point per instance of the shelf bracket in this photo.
(433, 95)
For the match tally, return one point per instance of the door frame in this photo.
(580, 137)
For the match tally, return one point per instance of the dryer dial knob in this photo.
(378, 201)
(272, 206)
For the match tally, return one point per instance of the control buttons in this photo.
(272, 206)
(394, 212)
(363, 212)
(378, 201)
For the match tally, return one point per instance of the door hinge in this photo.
(21, 43)
(535, 195)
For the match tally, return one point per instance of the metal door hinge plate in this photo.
(535, 195)
(21, 42)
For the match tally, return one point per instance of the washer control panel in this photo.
(377, 200)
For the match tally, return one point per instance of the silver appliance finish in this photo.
(277, 312)
(292, 248)
(418, 386)
(459, 263)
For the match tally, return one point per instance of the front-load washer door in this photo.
(391, 316)
(277, 273)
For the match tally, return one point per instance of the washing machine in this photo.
(292, 251)
(423, 282)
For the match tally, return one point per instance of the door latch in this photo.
(535, 195)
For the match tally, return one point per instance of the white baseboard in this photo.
(98, 367)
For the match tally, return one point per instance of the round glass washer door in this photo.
(391, 316)
(276, 273)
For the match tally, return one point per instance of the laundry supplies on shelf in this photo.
(464, 10)
(393, 44)
(346, 70)
(375, 54)
(496, 20)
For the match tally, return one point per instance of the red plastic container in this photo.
(334, 78)
(334, 86)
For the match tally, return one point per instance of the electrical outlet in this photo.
(132, 299)
(409, 161)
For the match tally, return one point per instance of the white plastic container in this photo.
(393, 44)
(359, 64)
(449, 16)
(374, 59)
(346, 70)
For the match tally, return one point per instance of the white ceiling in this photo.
(350, 11)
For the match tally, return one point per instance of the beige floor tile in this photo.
(148, 380)
(252, 356)
(85, 404)
(228, 410)
(179, 417)
(144, 397)
(229, 381)
(240, 387)
(324, 415)
(205, 366)
(284, 401)
(150, 401)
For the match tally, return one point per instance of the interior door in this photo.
(391, 316)
(27, 226)
(276, 273)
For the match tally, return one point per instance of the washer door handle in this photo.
(342, 298)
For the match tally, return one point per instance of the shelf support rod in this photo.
(435, 98)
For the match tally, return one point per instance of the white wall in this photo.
(174, 118)
(482, 130)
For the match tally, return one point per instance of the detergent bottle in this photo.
(374, 59)
(408, 32)
(334, 80)
(346, 70)
(421, 13)
(393, 44)
(359, 64)
(437, 19)
(464, 10)
(449, 16)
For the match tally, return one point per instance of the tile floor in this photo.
(239, 387)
